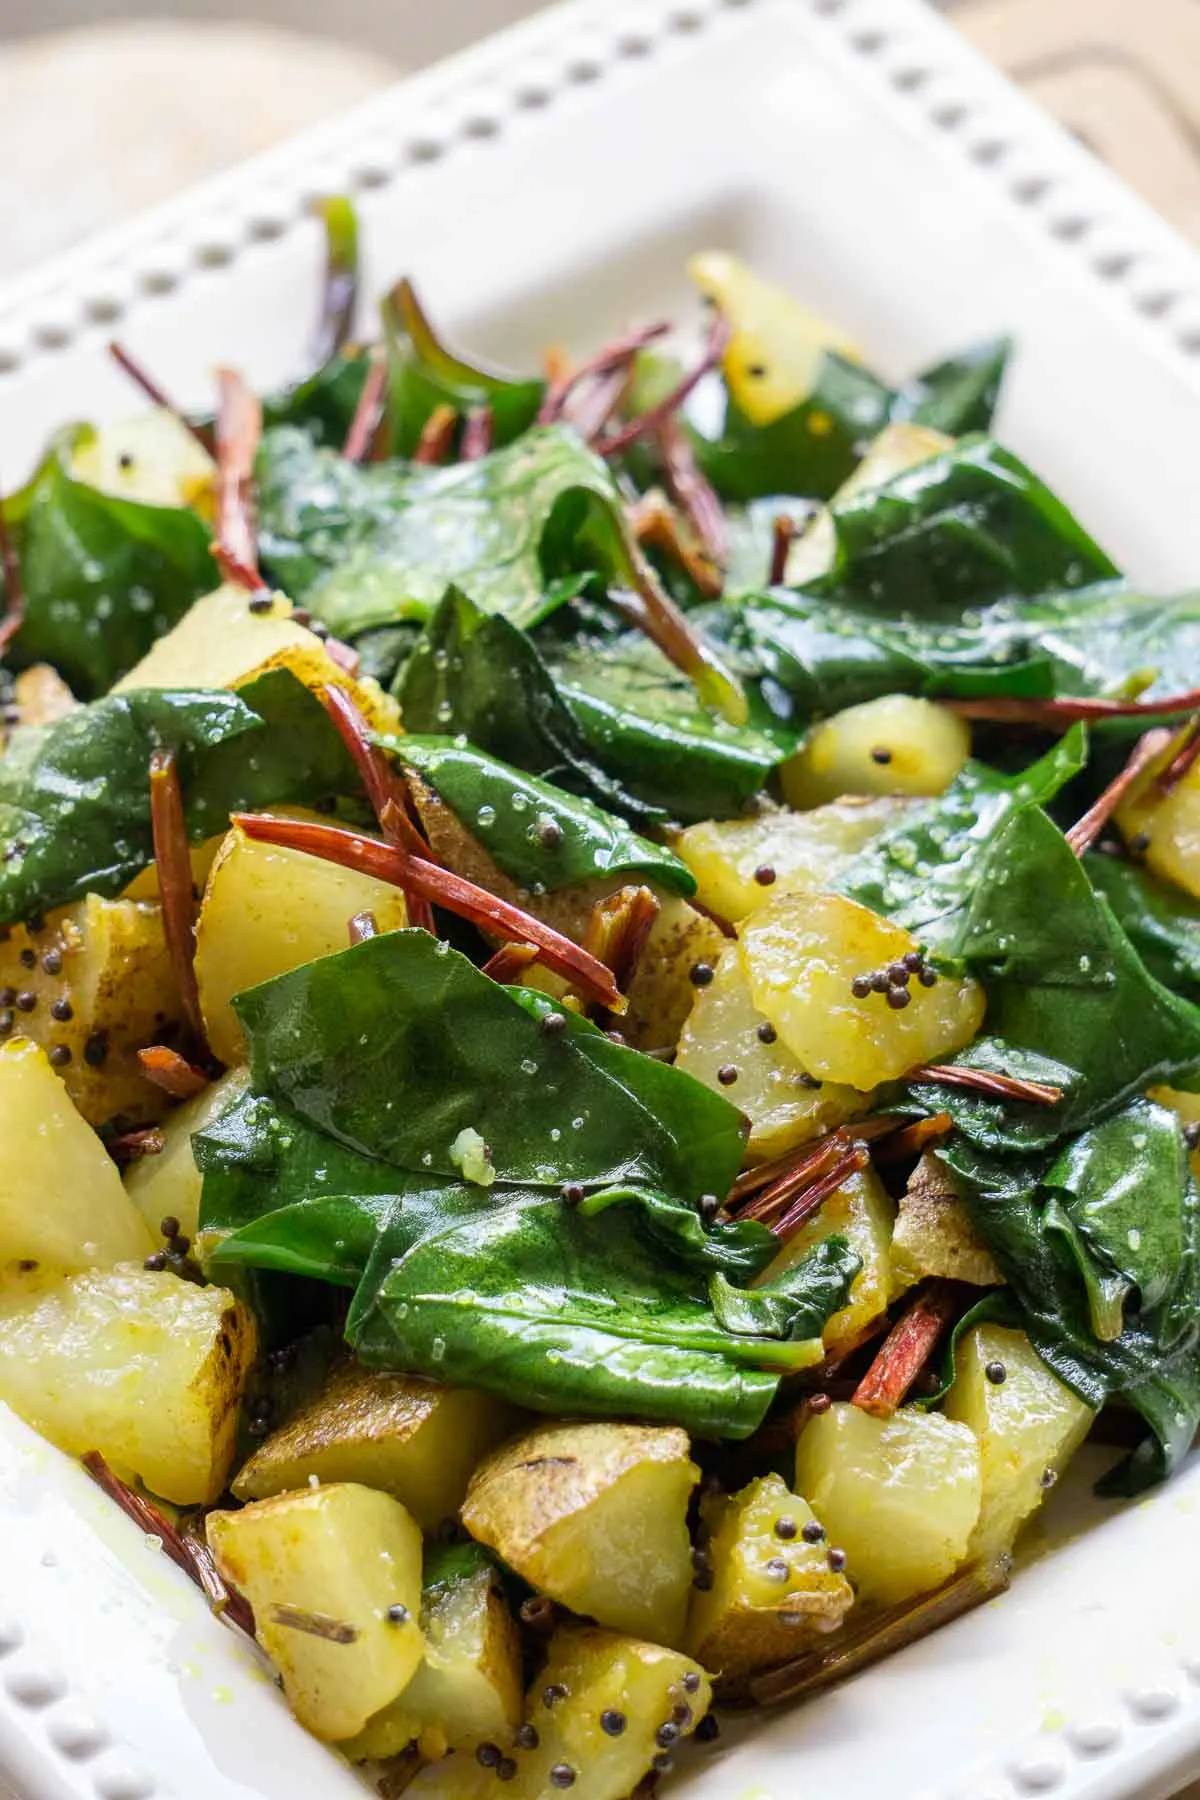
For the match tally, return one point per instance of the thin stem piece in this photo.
(811, 1199)
(653, 522)
(433, 445)
(339, 301)
(1184, 757)
(783, 532)
(1086, 830)
(1058, 715)
(692, 491)
(388, 862)
(719, 335)
(174, 868)
(756, 1192)
(997, 1087)
(652, 611)
(239, 427)
(130, 1146)
(313, 1624)
(564, 379)
(158, 396)
(173, 1073)
(478, 433)
(368, 414)
(590, 411)
(907, 1348)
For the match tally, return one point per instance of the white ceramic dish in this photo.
(557, 176)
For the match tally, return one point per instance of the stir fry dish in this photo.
(600, 1034)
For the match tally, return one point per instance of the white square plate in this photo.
(550, 183)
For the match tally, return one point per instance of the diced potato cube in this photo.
(900, 1496)
(152, 458)
(1163, 829)
(774, 355)
(42, 695)
(725, 1036)
(661, 992)
(590, 1676)
(1029, 1425)
(934, 1234)
(142, 1366)
(168, 1185)
(62, 1206)
(467, 1688)
(595, 1516)
(803, 953)
(897, 744)
(414, 1439)
(741, 865)
(107, 961)
(862, 1212)
(774, 1595)
(267, 910)
(325, 1571)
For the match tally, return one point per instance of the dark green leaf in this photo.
(323, 405)
(796, 1304)
(368, 546)
(541, 837)
(1161, 921)
(959, 395)
(424, 374)
(104, 577)
(1022, 1127)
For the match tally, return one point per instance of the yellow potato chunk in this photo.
(62, 1206)
(896, 448)
(105, 963)
(152, 458)
(142, 1366)
(267, 910)
(414, 1439)
(168, 1185)
(322, 1569)
(774, 1595)
(934, 1235)
(1164, 829)
(895, 745)
(1029, 1425)
(467, 1688)
(862, 1212)
(42, 695)
(774, 355)
(803, 953)
(725, 1037)
(900, 1496)
(595, 1516)
(589, 1675)
(660, 993)
(741, 865)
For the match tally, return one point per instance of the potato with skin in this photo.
(591, 1678)
(741, 865)
(62, 1206)
(325, 1571)
(900, 1496)
(467, 1688)
(144, 1367)
(861, 1211)
(726, 1037)
(803, 955)
(774, 1595)
(1028, 1423)
(1163, 829)
(934, 1235)
(168, 1185)
(104, 964)
(595, 1516)
(266, 910)
(898, 744)
(415, 1439)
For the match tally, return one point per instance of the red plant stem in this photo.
(794, 1170)
(907, 1348)
(478, 434)
(997, 1087)
(368, 414)
(433, 445)
(653, 522)
(692, 491)
(718, 338)
(174, 868)
(1068, 710)
(131, 1146)
(173, 1073)
(1086, 830)
(811, 1199)
(157, 396)
(362, 925)
(618, 928)
(651, 610)
(188, 1554)
(14, 592)
(622, 350)
(783, 531)
(510, 962)
(388, 862)
(239, 427)
(590, 412)
(1184, 757)
(912, 1139)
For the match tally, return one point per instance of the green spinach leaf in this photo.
(424, 374)
(1161, 921)
(959, 395)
